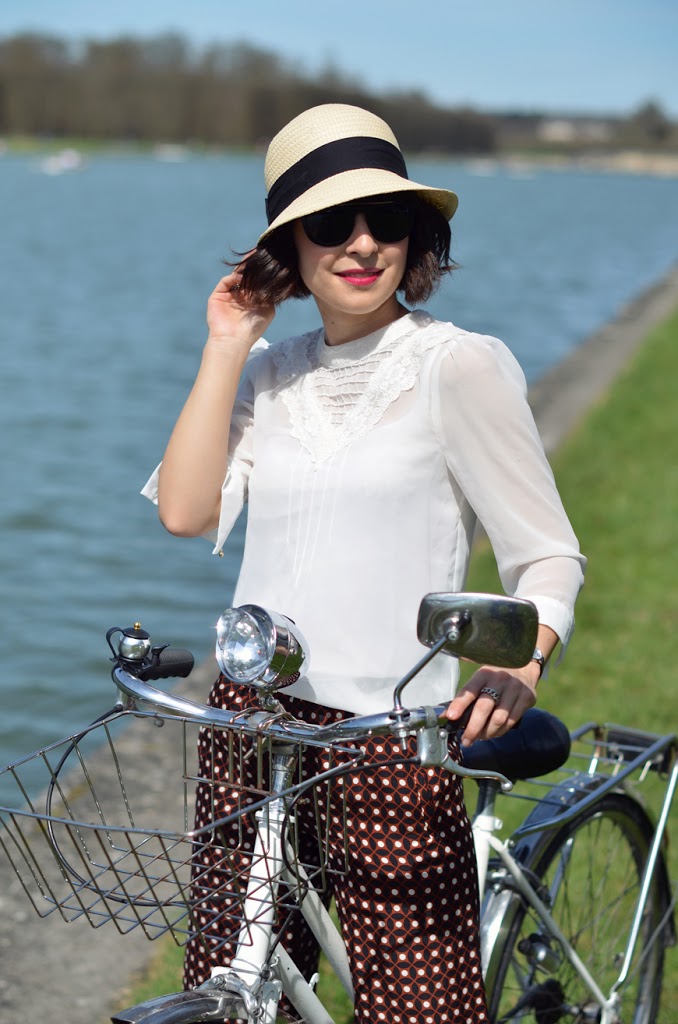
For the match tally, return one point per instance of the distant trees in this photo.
(162, 90)
(648, 126)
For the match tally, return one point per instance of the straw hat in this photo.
(334, 154)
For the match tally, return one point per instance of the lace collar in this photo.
(362, 348)
(336, 394)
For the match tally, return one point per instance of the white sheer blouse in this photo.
(365, 467)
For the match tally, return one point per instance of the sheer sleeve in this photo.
(493, 449)
(234, 488)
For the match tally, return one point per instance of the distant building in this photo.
(576, 130)
(518, 129)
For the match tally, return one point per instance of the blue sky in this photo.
(561, 55)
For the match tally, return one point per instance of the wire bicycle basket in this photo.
(74, 824)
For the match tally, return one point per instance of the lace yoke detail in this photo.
(335, 395)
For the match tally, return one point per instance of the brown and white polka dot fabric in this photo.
(407, 903)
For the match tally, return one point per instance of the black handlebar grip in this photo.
(170, 662)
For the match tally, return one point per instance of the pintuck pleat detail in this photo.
(336, 394)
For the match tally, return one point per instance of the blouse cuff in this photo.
(233, 493)
(150, 488)
(232, 501)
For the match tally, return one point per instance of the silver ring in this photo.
(496, 697)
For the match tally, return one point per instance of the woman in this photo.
(367, 450)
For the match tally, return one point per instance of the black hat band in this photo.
(326, 161)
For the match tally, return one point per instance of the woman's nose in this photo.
(362, 240)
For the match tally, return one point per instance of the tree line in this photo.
(162, 90)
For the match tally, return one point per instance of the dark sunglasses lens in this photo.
(329, 227)
(388, 222)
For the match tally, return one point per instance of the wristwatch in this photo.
(540, 659)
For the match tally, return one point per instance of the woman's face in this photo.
(354, 282)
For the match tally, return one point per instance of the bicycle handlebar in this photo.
(359, 728)
(402, 723)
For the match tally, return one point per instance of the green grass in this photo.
(161, 975)
(618, 475)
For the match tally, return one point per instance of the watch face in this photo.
(540, 659)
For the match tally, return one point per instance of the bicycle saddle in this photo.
(538, 744)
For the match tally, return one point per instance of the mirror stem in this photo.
(438, 646)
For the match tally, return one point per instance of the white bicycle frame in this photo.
(246, 976)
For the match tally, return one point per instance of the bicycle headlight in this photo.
(260, 648)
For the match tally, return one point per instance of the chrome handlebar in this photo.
(360, 728)
(428, 724)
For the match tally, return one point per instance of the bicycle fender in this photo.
(177, 1008)
(559, 800)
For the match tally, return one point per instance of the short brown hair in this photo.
(271, 271)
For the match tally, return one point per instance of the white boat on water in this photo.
(65, 161)
(170, 153)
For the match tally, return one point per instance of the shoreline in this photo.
(626, 161)
(50, 968)
(631, 161)
(564, 394)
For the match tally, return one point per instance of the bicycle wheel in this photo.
(589, 873)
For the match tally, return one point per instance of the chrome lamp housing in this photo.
(259, 648)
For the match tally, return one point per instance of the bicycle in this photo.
(80, 846)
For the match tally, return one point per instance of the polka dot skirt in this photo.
(405, 885)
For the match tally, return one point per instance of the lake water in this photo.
(103, 284)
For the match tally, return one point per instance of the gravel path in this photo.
(53, 971)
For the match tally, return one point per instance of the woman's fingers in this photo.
(231, 313)
(227, 286)
(498, 698)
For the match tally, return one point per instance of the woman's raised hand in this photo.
(230, 317)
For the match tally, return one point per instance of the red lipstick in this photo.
(361, 278)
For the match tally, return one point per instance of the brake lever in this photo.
(432, 749)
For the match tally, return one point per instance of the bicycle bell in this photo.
(134, 643)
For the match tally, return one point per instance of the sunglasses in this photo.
(388, 220)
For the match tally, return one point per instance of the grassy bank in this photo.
(618, 474)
